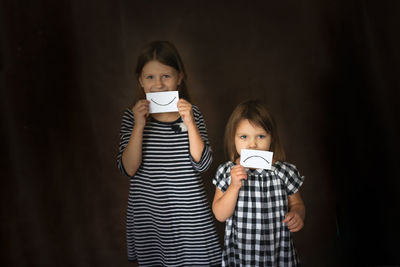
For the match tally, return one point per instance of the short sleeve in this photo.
(222, 178)
(125, 133)
(290, 176)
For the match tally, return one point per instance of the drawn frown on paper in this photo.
(257, 159)
(163, 101)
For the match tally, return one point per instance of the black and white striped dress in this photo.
(169, 221)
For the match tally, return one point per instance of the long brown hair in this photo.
(167, 54)
(257, 114)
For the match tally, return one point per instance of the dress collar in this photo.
(257, 171)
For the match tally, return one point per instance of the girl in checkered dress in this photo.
(261, 208)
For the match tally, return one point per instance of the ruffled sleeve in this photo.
(222, 178)
(290, 176)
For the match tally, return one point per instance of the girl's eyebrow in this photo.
(256, 134)
(162, 73)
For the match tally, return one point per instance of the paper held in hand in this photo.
(163, 101)
(257, 159)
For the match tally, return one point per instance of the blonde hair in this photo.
(257, 114)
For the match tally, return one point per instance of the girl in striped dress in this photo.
(261, 208)
(169, 221)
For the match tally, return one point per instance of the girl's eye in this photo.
(149, 77)
(243, 137)
(261, 136)
(166, 76)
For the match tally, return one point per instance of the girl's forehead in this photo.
(246, 124)
(156, 66)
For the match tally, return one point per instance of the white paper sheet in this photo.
(163, 101)
(257, 159)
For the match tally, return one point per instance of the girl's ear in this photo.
(140, 81)
(180, 78)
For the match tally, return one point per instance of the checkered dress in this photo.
(255, 234)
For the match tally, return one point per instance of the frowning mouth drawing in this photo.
(256, 157)
(162, 104)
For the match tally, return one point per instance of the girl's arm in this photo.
(196, 143)
(294, 219)
(224, 204)
(132, 155)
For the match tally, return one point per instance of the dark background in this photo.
(328, 71)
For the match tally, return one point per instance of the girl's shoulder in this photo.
(286, 170)
(195, 107)
(198, 116)
(196, 110)
(282, 166)
(128, 113)
(127, 119)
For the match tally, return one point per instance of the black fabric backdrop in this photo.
(328, 70)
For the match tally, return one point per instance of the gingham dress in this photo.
(169, 220)
(255, 234)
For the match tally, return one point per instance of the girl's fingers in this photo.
(289, 219)
(295, 228)
(293, 222)
(239, 171)
(140, 105)
(184, 106)
(141, 112)
(182, 101)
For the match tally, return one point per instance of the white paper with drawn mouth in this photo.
(163, 101)
(257, 159)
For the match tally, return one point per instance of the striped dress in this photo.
(169, 221)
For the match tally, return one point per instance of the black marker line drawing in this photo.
(256, 157)
(163, 104)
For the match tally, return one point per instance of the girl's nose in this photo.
(158, 83)
(252, 144)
